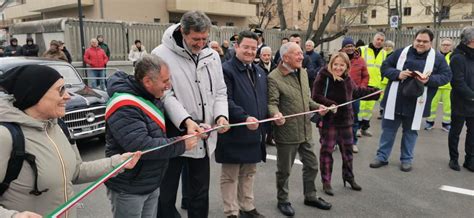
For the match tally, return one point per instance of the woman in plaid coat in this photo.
(334, 86)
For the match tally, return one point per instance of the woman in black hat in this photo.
(33, 98)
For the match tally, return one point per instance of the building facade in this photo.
(412, 14)
(221, 12)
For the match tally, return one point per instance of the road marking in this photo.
(273, 157)
(457, 190)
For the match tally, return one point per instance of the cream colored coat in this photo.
(59, 164)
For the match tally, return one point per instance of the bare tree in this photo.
(312, 18)
(281, 15)
(267, 12)
(317, 36)
(346, 21)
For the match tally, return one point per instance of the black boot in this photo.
(353, 184)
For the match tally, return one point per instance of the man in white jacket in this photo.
(198, 99)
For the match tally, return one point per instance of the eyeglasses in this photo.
(422, 41)
(62, 89)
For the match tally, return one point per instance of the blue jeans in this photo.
(389, 132)
(355, 126)
(131, 205)
(99, 80)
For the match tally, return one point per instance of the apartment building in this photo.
(221, 12)
(375, 14)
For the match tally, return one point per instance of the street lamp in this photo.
(81, 32)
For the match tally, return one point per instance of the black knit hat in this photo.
(28, 83)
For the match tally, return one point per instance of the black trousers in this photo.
(457, 123)
(198, 192)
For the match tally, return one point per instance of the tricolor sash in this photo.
(420, 101)
(124, 99)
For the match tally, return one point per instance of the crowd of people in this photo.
(188, 84)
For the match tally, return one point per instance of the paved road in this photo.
(387, 191)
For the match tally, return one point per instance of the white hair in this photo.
(286, 47)
(266, 49)
(309, 42)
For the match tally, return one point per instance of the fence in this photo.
(118, 35)
(403, 38)
(121, 35)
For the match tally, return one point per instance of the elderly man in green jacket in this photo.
(288, 93)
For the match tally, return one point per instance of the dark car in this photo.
(85, 112)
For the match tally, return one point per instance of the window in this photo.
(299, 15)
(324, 15)
(428, 10)
(157, 20)
(312, 1)
(363, 17)
(214, 23)
(373, 14)
(444, 13)
(334, 19)
(393, 11)
(229, 23)
(407, 11)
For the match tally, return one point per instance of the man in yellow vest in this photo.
(443, 95)
(373, 55)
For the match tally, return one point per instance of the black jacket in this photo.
(239, 144)
(30, 50)
(68, 55)
(272, 67)
(129, 129)
(405, 105)
(462, 94)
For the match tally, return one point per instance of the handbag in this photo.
(317, 118)
(413, 88)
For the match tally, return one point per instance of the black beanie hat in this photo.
(28, 83)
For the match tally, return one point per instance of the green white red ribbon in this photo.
(92, 187)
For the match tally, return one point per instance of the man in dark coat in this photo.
(247, 99)
(462, 100)
(307, 63)
(13, 49)
(139, 127)
(402, 107)
(30, 48)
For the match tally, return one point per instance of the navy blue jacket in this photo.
(405, 106)
(317, 60)
(239, 144)
(129, 129)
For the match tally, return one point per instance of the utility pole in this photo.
(81, 32)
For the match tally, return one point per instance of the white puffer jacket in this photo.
(199, 88)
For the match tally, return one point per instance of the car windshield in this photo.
(69, 74)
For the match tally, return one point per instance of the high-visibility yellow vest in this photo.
(448, 60)
(373, 64)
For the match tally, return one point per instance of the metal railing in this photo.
(94, 79)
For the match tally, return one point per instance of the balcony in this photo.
(216, 7)
(34, 8)
(54, 5)
(21, 11)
